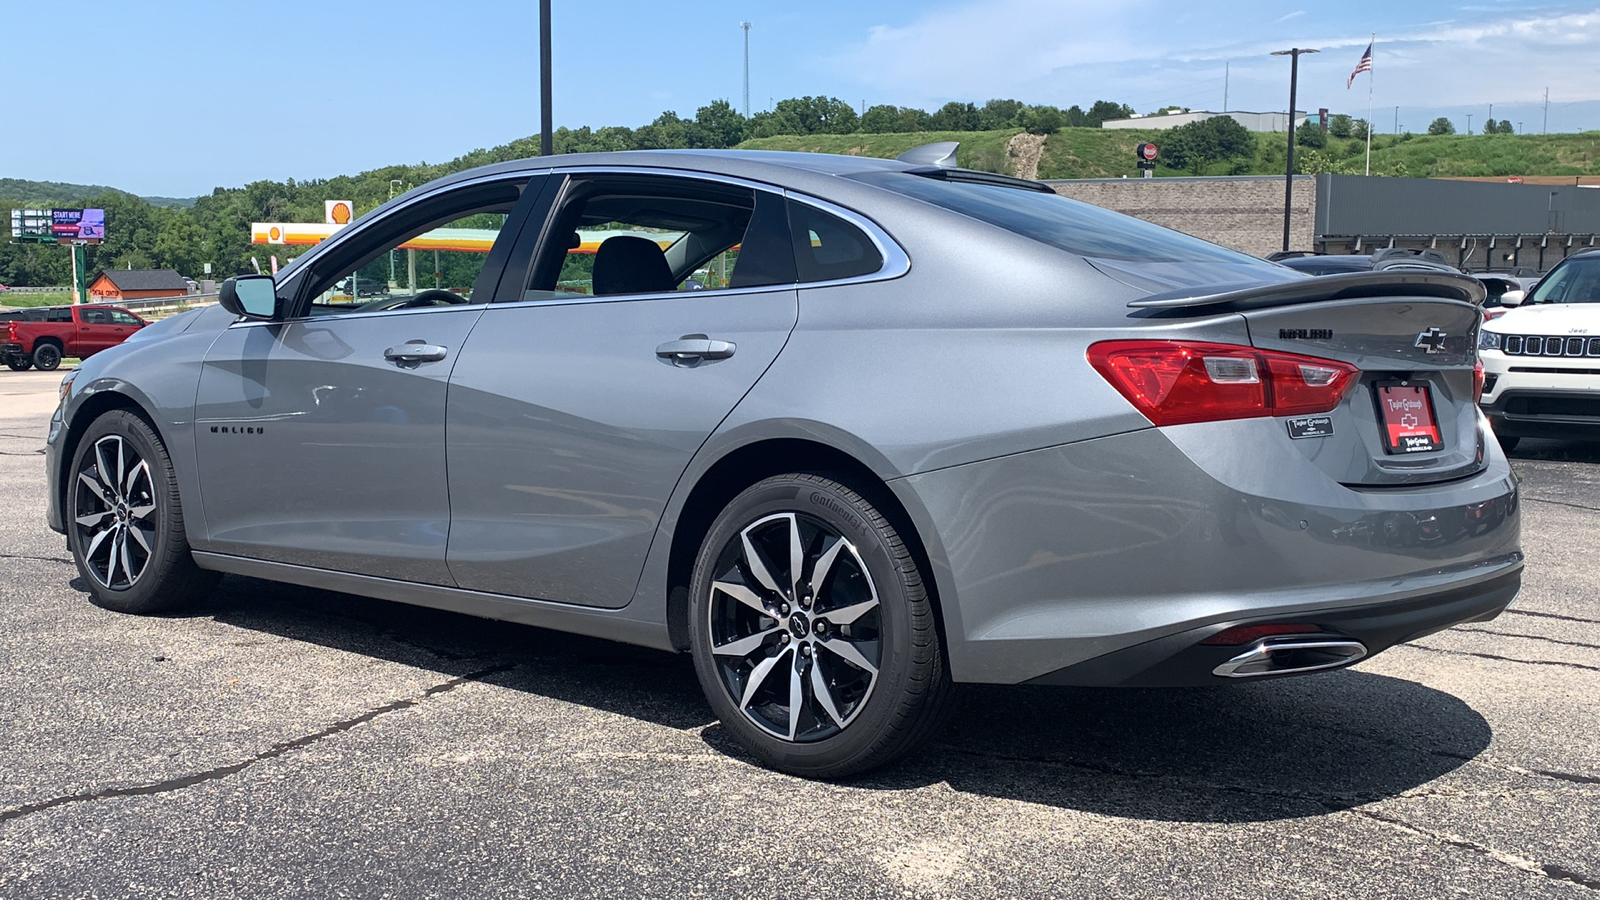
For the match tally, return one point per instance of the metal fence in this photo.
(159, 307)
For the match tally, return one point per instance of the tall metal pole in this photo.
(1288, 176)
(546, 120)
(746, 27)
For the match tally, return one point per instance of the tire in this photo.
(124, 521)
(19, 363)
(860, 645)
(46, 357)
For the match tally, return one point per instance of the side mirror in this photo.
(1512, 298)
(252, 296)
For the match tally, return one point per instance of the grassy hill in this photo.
(55, 193)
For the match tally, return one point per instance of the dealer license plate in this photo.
(1406, 411)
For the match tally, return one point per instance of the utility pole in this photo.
(1288, 176)
(546, 120)
(1225, 67)
(746, 27)
(1397, 120)
(1546, 128)
(1469, 123)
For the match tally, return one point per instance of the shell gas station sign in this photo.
(338, 212)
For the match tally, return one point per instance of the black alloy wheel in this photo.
(812, 633)
(46, 357)
(19, 363)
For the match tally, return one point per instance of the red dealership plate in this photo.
(1406, 411)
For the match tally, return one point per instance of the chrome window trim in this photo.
(371, 313)
(629, 298)
(895, 260)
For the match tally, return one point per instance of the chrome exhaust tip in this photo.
(1286, 657)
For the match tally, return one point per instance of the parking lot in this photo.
(280, 741)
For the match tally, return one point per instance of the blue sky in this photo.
(181, 96)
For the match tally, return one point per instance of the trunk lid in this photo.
(1411, 417)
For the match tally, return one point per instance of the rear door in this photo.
(578, 402)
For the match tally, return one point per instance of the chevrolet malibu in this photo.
(848, 431)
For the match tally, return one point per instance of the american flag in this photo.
(1364, 66)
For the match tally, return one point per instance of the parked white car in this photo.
(1541, 359)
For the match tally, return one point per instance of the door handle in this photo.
(692, 347)
(415, 352)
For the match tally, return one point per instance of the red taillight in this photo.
(1244, 634)
(11, 331)
(1174, 382)
(1477, 381)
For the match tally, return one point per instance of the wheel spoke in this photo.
(94, 544)
(819, 689)
(112, 555)
(141, 511)
(746, 645)
(742, 594)
(797, 556)
(127, 566)
(824, 565)
(759, 675)
(143, 468)
(99, 491)
(848, 652)
(90, 520)
(103, 469)
(796, 699)
(758, 565)
(847, 615)
(139, 537)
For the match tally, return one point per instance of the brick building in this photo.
(137, 284)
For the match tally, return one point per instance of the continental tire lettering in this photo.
(839, 509)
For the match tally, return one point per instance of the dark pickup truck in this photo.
(42, 337)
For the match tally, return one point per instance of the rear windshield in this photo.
(1072, 226)
(1575, 281)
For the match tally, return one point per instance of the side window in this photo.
(96, 317)
(431, 255)
(827, 247)
(121, 318)
(59, 315)
(624, 234)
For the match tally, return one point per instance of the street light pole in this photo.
(546, 120)
(1288, 176)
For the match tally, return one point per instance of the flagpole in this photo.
(1374, 46)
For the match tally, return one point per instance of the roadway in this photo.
(284, 742)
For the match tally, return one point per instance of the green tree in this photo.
(1075, 117)
(1106, 109)
(1310, 134)
(880, 119)
(1216, 139)
(998, 114)
(1441, 125)
(1358, 129)
(721, 124)
(955, 116)
(1041, 119)
(1340, 126)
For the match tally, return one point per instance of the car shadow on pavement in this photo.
(1282, 749)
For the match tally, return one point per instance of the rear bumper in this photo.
(10, 350)
(1100, 561)
(1182, 660)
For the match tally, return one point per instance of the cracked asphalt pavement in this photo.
(285, 742)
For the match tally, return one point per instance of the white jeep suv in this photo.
(1541, 360)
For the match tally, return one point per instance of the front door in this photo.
(321, 437)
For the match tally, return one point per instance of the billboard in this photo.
(51, 225)
(31, 225)
(78, 224)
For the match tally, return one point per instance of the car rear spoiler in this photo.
(1319, 288)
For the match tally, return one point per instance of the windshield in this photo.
(1575, 281)
(1072, 226)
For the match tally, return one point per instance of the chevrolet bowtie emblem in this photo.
(1431, 340)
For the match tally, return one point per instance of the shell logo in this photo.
(339, 212)
(275, 234)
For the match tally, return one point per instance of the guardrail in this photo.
(158, 307)
(36, 290)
